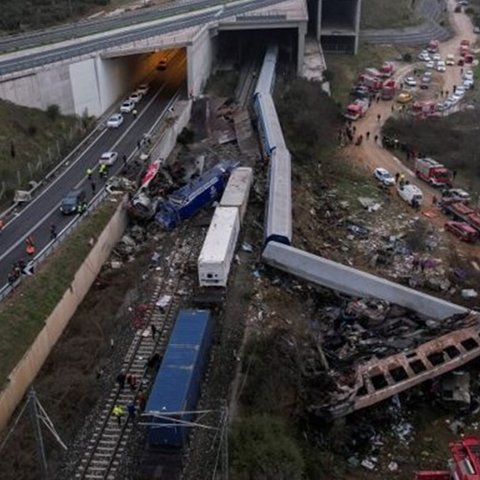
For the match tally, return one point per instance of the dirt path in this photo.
(372, 155)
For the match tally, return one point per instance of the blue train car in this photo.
(266, 79)
(268, 124)
(177, 384)
(278, 217)
(200, 192)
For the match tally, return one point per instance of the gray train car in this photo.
(266, 79)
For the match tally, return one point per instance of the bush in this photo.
(328, 75)
(53, 112)
(186, 137)
(469, 11)
(262, 449)
(407, 57)
(32, 130)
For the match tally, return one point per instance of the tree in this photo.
(262, 450)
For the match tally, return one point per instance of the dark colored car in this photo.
(73, 200)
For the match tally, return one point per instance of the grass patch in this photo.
(22, 316)
(31, 143)
(346, 69)
(389, 13)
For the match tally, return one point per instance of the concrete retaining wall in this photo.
(200, 57)
(24, 373)
(354, 282)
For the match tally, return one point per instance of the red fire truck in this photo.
(356, 110)
(432, 172)
(388, 90)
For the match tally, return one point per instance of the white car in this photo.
(468, 84)
(108, 158)
(442, 106)
(441, 67)
(430, 64)
(447, 104)
(410, 81)
(468, 75)
(135, 97)
(143, 88)
(436, 57)
(424, 56)
(384, 176)
(460, 89)
(115, 120)
(127, 106)
(454, 99)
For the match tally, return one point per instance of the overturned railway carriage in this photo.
(266, 79)
(176, 389)
(278, 222)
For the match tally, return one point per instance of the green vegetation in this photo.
(389, 13)
(35, 14)
(263, 448)
(31, 143)
(22, 316)
(311, 130)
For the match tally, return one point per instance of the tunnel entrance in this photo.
(339, 14)
(235, 48)
(342, 44)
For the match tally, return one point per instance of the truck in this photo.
(424, 109)
(432, 172)
(387, 69)
(356, 110)
(410, 194)
(462, 213)
(388, 90)
(373, 83)
(433, 46)
(188, 200)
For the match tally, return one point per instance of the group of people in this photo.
(140, 398)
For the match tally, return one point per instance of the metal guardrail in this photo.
(54, 244)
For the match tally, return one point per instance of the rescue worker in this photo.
(118, 412)
(102, 170)
(82, 208)
(89, 173)
(124, 158)
(402, 180)
(131, 411)
(134, 113)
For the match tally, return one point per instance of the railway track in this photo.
(103, 455)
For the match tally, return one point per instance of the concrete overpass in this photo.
(88, 75)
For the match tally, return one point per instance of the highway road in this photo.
(35, 219)
(26, 60)
(99, 25)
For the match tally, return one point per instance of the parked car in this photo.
(425, 81)
(442, 106)
(108, 158)
(404, 97)
(384, 177)
(162, 64)
(463, 3)
(462, 230)
(72, 201)
(468, 84)
(450, 60)
(430, 64)
(360, 91)
(448, 103)
(424, 56)
(115, 120)
(455, 195)
(476, 29)
(441, 67)
(436, 57)
(468, 75)
(459, 91)
(135, 97)
(127, 106)
(143, 89)
(410, 82)
(454, 99)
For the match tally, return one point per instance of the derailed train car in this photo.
(175, 392)
(278, 215)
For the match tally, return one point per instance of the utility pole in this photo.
(32, 399)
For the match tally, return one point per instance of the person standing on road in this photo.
(89, 173)
(124, 158)
(93, 186)
(118, 412)
(53, 232)
(134, 113)
(153, 328)
(397, 176)
(376, 138)
(368, 135)
(30, 248)
(378, 118)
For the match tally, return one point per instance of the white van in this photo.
(410, 194)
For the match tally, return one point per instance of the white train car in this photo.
(266, 79)
(237, 191)
(269, 124)
(218, 248)
(278, 222)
